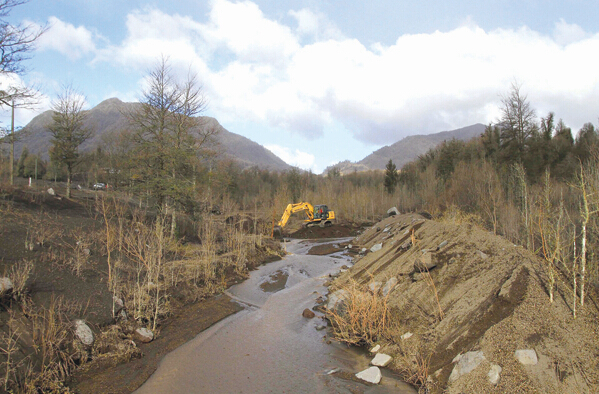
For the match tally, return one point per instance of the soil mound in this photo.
(337, 230)
(462, 289)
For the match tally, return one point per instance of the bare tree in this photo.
(16, 41)
(168, 135)
(518, 122)
(16, 97)
(68, 130)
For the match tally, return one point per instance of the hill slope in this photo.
(107, 117)
(408, 149)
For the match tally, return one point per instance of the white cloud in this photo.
(259, 69)
(565, 33)
(315, 25)
(295, 157)
(65, 38)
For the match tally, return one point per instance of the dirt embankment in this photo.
(484, 294)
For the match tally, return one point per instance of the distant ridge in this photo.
(408, 149)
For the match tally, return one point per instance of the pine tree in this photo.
(391, 177)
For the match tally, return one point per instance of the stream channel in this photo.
(269, 347)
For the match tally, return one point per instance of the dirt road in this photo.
(270, 347)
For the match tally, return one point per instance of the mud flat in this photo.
(270, 346)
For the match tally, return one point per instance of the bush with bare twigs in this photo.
(361, 317)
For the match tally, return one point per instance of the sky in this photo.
(318, 82)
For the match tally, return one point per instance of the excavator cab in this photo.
(321, 212)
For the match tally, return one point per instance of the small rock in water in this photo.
(526, 356)
(381, 360)
(334, 370)
(308, 314)
(370, 375)
(320, 327)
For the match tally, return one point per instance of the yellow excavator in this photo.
(318, 214)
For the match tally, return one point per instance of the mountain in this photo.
(408, 149)
(108, 117)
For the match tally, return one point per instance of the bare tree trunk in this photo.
(69, 174)
(12, 145)
(574, 273)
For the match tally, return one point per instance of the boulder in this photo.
(376, 247)
(426, 262)
(494, 374)
(381, 360)
(393, 211)
(5, 285)
(389, 286)
(308, 314)
(143, 335)
(371, 375)
(466, 363)
(527, 356)
(374, 287)
(83, 333)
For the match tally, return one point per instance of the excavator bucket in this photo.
(277, 232)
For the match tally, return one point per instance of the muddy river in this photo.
(269, 347)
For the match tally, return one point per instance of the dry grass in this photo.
(361, 318)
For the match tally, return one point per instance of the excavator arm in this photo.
(293, 208)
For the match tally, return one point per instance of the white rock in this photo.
(370, 375)
(527, 356)
(381, 360)
(5, 284)
(336, 299)
(386, 229)
(375, 349)
(376, 248)
(144, 335)
(389, 286)
(466, 364)
(494, 374)
(405, 336)
(51, 192)
(374, 287)
(392, 211)
(84, 333)
(482, 254)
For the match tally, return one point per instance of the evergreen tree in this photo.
(391, 177)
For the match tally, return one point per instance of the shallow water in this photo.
(269, 347)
